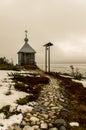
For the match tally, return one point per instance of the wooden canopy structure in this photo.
(47, 56)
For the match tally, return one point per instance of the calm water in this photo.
(65, 68)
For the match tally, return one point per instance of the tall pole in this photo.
(47, 51)
(45, 58)
(49, 59)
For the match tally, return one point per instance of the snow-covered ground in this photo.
(5, 83)
(81, 81)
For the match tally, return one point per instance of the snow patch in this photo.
(5, 123)
(2, 116)
(81, 81)
(24, 108)
(5, 83)
(11, 99)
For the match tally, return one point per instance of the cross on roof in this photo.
(26, 33)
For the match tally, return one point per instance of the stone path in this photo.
(44, 116)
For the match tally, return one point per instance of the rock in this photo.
(60, 122)
(62, 128)
(65, 110)
(63, 113)
(1, 124)
(28, 128)
(41, 121)
(34, 119)
(46, 104)
(17, 127)
(51, 105)
(44, 126)
(74, 124)
(54, 108)
(54, 128)
(51, 114)
(26, 119)
(23, 123)
(33, 112)
(36, 127)
(33, 123)
(50, 125)
(10, 128)
(45, 116)
(32, 103)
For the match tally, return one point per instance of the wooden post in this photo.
(45, 58)
(49, 59)
(47, 50)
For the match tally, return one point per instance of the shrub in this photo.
(72, 68)
(23, 101)
(30, 67)
(5, 61)
(21, 87)
(5, 110)
(31, 80)
(9, 90)
(75, 73)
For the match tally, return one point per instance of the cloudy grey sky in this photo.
(62, 22)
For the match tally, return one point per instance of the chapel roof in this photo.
(26, 48)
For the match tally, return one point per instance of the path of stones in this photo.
(46, 110)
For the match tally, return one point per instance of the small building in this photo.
(26, 55)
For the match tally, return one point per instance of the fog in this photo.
(62, 22)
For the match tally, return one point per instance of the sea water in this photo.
(65, 68)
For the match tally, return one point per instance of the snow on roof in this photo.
(27, 49)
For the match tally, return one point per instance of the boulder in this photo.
(44, 126)
(62, 128)
(60, 122)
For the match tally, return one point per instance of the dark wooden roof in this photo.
(26, 49)
(48, 44)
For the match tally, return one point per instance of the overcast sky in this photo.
(62, 22)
